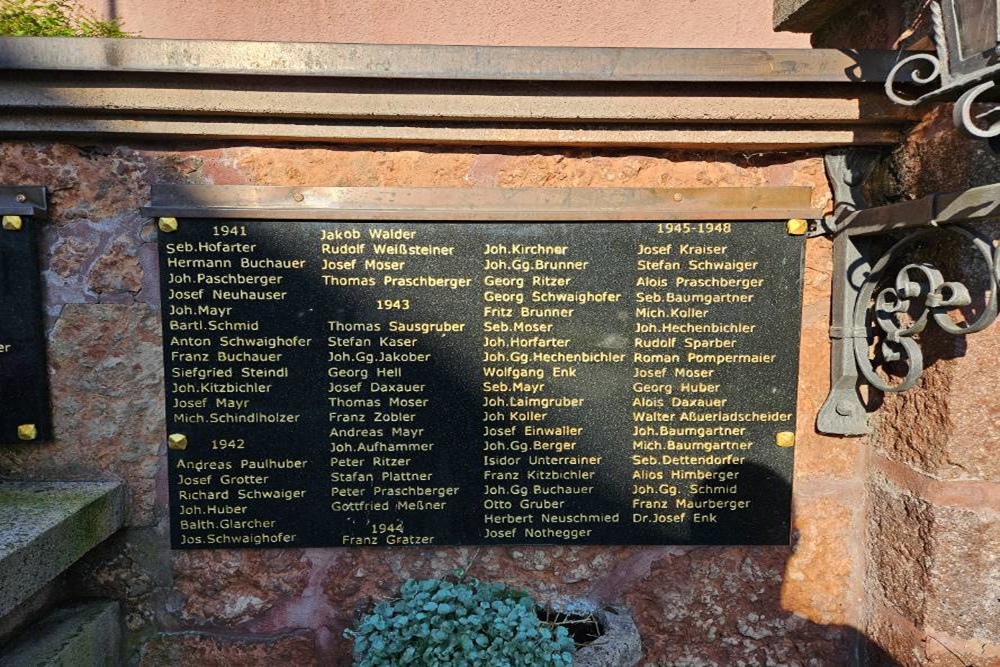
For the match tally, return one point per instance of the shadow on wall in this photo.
(722, 606)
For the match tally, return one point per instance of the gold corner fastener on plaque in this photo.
(784, 438)
(797, 227)
(167, 225)
(12, 223)
(177, 441)
(27, 432)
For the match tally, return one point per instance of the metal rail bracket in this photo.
(884, 298)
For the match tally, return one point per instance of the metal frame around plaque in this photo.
(786, 211)
(24, 388)
(482, 204)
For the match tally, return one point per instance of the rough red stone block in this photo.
(917, 162)
(946, 427)
(169, 650)
(232, 586)
(936, 563)
(92, 183)
(102, 358)
(895, 642)
(963, 593)
(723, 606)
(899, 529)
(822, 581)
(974, 407)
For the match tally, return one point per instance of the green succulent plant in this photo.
(439, 623)
(54, 18)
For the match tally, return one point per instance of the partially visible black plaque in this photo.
(394, 383)
(24, 387)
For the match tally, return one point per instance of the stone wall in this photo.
(693, 605)
(933, 529)
(933, 534)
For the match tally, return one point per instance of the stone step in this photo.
(47, 526)
(86, 634)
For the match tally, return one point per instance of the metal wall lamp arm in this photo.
(965, 66)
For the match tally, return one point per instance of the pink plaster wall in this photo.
(639, 23)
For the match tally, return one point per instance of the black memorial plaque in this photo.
(24, 386)
(394, 383)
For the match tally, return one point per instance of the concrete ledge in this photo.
(47, 526)
(717, 137)
(184, 91)
(481, 102)
(85, 634)
(425, 61)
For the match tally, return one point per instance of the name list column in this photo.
(701, 412)
(398, 287)
(228, 364)
(542, 460)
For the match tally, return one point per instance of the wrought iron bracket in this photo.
(844, 412)
(875, 313)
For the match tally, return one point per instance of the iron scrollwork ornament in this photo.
(921, 69)
(882, 301)
(920, 286)
(966, 36)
